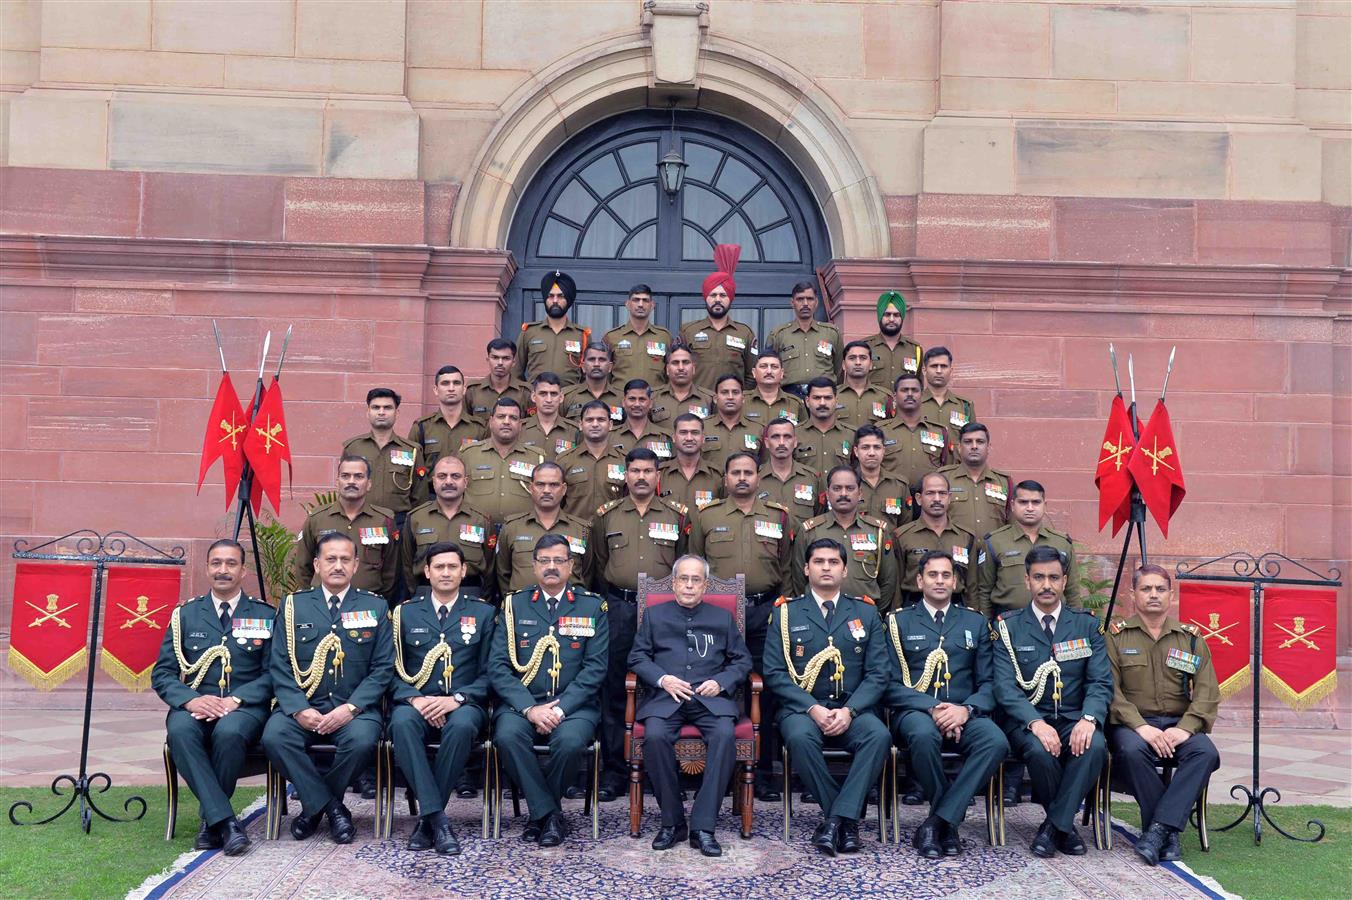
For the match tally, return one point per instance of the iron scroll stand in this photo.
(1257, 572)
(113, 548)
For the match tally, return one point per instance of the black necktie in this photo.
(1047, 622)
(225, 617)
(939, 620)
(552, 604)
(829, 607)
(442, 611)
(333, 607)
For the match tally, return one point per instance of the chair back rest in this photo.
(724, 593)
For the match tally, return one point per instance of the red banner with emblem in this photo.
(139, 600)
(49, 626)
(1300, 660)
(1223, 613)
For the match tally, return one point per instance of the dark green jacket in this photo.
(1087, 681)
(368, 651)
(469, 633)
(856, 630)
(584, 656)
(200, 630)
(965, 639)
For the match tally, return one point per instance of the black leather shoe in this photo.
(465, 789)
(807, 797)
(1044, 842)
(847, 839)
(826, 837)
(606, 794)
(926, 838)
(366, 786)
(705, 843)
(443, 838)
(574, 792)
(303, 827)
(766, 792)
(341, 828)
(233, 839)
(1173, 848)
(207, 838)
(949, 840)
(669, 836)
(1150, 845)
(1070, 842)
(531, 833)
(1011, 795)
(421, 838)
(913, 797)
(554, 831)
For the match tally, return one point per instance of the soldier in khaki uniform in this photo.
(1164, 703)
(893, 354)
(393, 459)
(939, 404)
(680, 394)
(870, 567)
(999, 583)
(688, 478)
(597, 362)
(859, 402)
(728, 432)
(638, 429)
(769, 400)
(933, 531)
(979, 495)
(825, 442)
(520, 533)
(594, 469)
(371, 529)
(547, 432)
(786, 481)
(809, 348)
(498, 468)
(640, 346)
(882, 496)
(448, 518)
(483, 393)
(553, 344)
(720, 344)
(445, 432)
(912, 445)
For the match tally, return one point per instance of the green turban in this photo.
(891, 298)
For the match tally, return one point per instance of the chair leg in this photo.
(787, 803)
(748, 792)
(595, 798)
(1000, 804)
(171, 794)
(382, 827)
(276, 794)
(1106, 810)
(635, 797)
(1202, 835)
(497, 795)
(891, 766)
(488, 776)
(990, 812)
(882, 806)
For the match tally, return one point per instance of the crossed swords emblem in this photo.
(54, 612)
(1157, 457)
(1214, 629)
(269, 434)
(141, 614)
(1298, 633)
(1115, 451)
(51, 613)
(230, 431)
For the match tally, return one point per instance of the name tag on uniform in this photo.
(997, 493)
(251, 628)
(373, 536)
(474, 534)
(615, 471)
(362, 618)
(401, 457)
(1025, 649)
(824, 348)
(735, 342)
(1183, 662)
(625, 344)
(1130, 651)
(857, 629)
(663, 531)
(703, 498)
(572, 346)
(577, 626)
(419, 630)
(803, 492)
(577, 545)
(798, 628)
(769, 529)
(863, 542)
(880, 410)
(931, 438)
(1074, 649)
(892, 506)
(750, 441)
(960, 555)
(427, 531)
(957, 418)
(521, 467)
(657, 348)
(915, 637)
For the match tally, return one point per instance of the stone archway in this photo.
(734, 80)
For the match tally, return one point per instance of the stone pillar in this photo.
(465, 300)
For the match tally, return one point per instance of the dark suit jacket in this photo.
(199, 631)
(966, 640)
(694, 645)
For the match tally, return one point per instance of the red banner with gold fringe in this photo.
(1300, 659)
(140, 601)
(49, 626)
(1224, 615)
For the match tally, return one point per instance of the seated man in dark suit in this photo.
(692, 658)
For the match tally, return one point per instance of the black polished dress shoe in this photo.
(847, 839)
(233, 839)
(912, 797)
(949, 840)
(1011, 795)
(1150, 845)
(554, 831)
(669, 836)
(421, 838)
(1070, 842)
(207, 838)
(926, 838)
(705, 843)
(303, 827)
(341, 828)
(531, 833)
(366, 786)
(1173, 848)
(826, 837)
(606, 793)
(766, 792)
(1044, 842)
(443, 838)
(807, 797)
(574, 792)
(465, 789)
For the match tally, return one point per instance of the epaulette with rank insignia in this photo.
(677, 507)
(811, 523)
(712, 503)
(525, 325)
(608, 506)
(1190, 629)
(1116, 627)
(876, 523)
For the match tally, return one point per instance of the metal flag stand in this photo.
(1258, 572)
(103, 550)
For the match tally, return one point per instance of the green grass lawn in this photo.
(1277, 868)
(61, 861)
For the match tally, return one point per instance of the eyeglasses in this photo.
(553, 561)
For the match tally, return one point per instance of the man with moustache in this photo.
(393, 459)
(680, 394)
(825, 442)
(729, 432)
(882, 496)
(596, 384)
(870, 567)
(893, 354)
(638, 430)
(769, 400)
(980, 495)
(720, 345)
(547, 432)
(370, 528)
(792, 484)
(688, 478)
(499, 468)
(809, 348)
(520, 533)
(449, 518)
(859, 401)
(594, 469)
(933, 531)
(483, 393)
(640, 346)
(553, 344)
(912, 445)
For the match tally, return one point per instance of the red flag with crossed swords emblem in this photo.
(1156, 467)
(1111, 477)
(267, 447)
(141, 599)
(1300, 641)
(49, 624)
(1223, 615)
(226, 427)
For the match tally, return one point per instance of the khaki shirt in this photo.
(870, 567)
(438, 439)
(373, 533)
(733, 349)
(915, 539)
(592, 480)
(757, 544)
(822, 451)
(980, 505)
(889, 499)
(540, 349)
(560, 439)
(515, 566)
(498, 484)
(807, 354)
(579, 395)
(694, 493)
(913, 453)
(786, 406)
(801, 493)
(888, 364)
(427, 525)
(1000, 585)
(630, 542)
(1145, 684)
(655, 437)
(480, 396)
(666, 407)
(720, 441)
(394, 469)
(872, 406)
(953, 413)
(639, 355)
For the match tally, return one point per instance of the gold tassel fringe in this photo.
(136, 682)
(1236, 682)
(46, 681)
(1304, 699)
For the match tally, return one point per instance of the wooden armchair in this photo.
(690, 749)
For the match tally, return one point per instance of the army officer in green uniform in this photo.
(440, 690)
(1053, 684)
(331, 663)
(826, 663)
(212, 672)
(547, 667)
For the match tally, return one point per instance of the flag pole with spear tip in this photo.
(246, 480)
(1136, 519)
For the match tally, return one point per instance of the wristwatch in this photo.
(1090, 719)
(352, 708)
(971, 710)
(458, 697)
